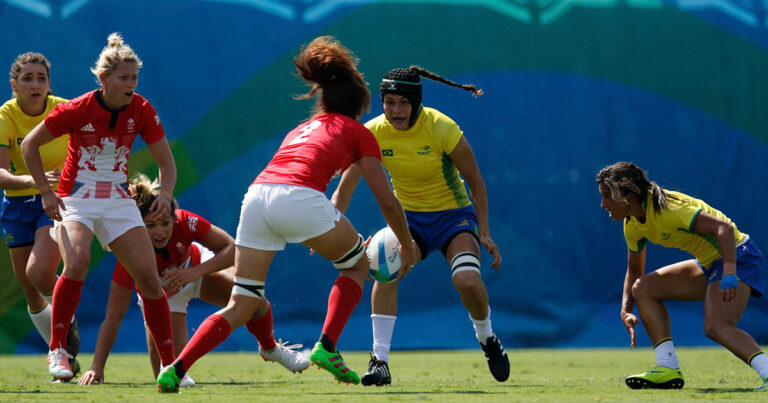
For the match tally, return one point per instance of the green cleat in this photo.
(763, 388)
(657, 377)
(333, 363)
(168, 381)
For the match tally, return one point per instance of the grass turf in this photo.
(440, 376)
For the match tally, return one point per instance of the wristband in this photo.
(729, 281)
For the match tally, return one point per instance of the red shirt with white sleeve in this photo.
(319, 150)
(100, 140)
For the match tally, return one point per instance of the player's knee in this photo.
(352, 257)
(641, 288)
(714, 330)
(248, 288)
(77, 263)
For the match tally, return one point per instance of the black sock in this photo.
(179, 367)
(328, 345)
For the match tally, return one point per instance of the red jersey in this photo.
(319, 150)
(99, 143)
(180, 252)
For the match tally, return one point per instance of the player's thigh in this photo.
(134, 250)
(683, 281)
(335, 243)
(216, 287)
(718, 311)
(462, 242)
(74, 239)
(251, 263)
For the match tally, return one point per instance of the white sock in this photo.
(48, 298)
(383, 326)
(666, 355)
(42, 322)
(483, 328)
(759, 363)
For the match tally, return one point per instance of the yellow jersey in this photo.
(673, 228)
(15, 125)
(423, 176)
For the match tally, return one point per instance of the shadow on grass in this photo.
(722, 390)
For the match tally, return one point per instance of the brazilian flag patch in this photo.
(387, 153)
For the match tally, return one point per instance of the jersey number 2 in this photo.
(305, 132)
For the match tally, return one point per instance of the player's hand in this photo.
(51, 204)
(630, 320)
(729, 284)
(91, 377)
(407, 259)
(160, 207)
(491, 246)
(176, 279)
(53, 176)
(366, 243)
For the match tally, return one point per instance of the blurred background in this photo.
(679, 87)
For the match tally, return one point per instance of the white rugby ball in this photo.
(384, 254)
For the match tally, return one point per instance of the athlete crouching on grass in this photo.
(194, 260)
(92, 198)
(727, 269)
(286, 203)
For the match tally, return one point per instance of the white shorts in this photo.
(106, 218)
(179, 301)
(274, 214)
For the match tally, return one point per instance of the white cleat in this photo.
(58, 365)
(186, 382)
(287, 356)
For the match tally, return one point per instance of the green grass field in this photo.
(440, 376)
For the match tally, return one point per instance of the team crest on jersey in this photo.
(131, 126)
(180, 247)
(387, 153)
(157, 120)
(665, 235)
(424, 150)
(192, 223)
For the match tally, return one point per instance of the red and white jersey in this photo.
(180, 253)
(99, 143)
(319, 150)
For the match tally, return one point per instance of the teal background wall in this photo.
(570, 86)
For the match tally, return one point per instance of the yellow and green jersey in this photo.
(673, 228)
(424, 177)
(15, 125)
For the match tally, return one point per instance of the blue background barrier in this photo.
(570, 86)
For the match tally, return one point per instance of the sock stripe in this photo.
(662, 341)
(752, 357)
(39, 310)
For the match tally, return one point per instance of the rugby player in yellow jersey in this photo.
(727, 269)
(34, 255)
(426, 156)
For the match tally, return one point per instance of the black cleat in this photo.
(498, 362)
(377, 374)
(73, 346)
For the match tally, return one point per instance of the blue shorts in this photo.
(435, 230)
(21, 217)
(750, 268)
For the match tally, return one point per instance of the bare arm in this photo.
(30, 149)
(166, 165)
(119, 301)
(347, 184)
(391, 209)
(8, 179)
(464, 159)
(219, 242)
(708, 224)
(635, 270)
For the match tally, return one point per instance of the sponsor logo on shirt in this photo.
(665, 235)
(130, 126)
(387, 153)
(425, 150)
(87, 128)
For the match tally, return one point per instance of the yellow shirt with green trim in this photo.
(424, 177)
(15, 125)
(673, 228)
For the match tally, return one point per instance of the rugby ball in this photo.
(384, 255)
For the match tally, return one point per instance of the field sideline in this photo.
(537, 375)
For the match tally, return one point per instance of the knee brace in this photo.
(465, 261)
(248, 287)
(351, 257)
